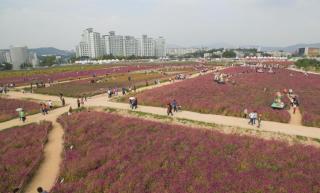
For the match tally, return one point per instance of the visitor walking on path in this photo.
(259, 120)
(70, 111)
(78, 103)
(22, 115)
(135, 103)
(43, 108)
(245, 112)
(169, 109)
(251, 117)
(46, 108)
(82, 100)
(63, 101)
(294, 108)
(255, 116)
(50, 104)
(109, 92)
(174, 105)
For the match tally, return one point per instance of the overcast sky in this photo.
(59, 23)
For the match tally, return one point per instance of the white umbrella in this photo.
(19, 109)
(132, 98)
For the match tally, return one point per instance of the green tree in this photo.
(308, 63)
(229, 54)
(25, 65)
(6, 66)
(48, 61)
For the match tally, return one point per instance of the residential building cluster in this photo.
(309, 52)
(95, 45)
(18, 56)
(181, 51)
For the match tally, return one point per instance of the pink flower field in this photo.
(254, 91)
(8, 108)
(74, 74)
(111, 153)
(21, 151)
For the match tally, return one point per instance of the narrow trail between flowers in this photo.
(48, 171)
(295, 118)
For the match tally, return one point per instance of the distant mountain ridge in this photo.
(291, 48)
(51, 51)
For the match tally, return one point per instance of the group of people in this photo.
(172, 107)
(114, 92)
(4, 89)
(254, 117)
(81, 100)
(294, 102)
(45, 107)
(124, 91)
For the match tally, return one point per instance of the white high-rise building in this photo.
(131, 46)
(93, 45)
(5, 56)
(19, 55)
(33, 59)
(90, 46)
(161, 47)
(116, 43)
(147, 46)
(139, 47)
(106, 44)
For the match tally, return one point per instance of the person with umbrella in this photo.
(135, 103)
(131, 102)
(22, 114)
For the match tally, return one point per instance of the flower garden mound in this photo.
(8, 108)
(110, 153)
(21, 151)
(254, 91)
(26, 77)
(118, 80)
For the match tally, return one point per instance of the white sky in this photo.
(59, 23)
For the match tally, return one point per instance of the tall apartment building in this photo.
(309, 52)
(90, 45)
(131, 46)
(116, 43)
(147, 46)
(5, 56)
(94, 45)
(160, 46)
(19, 55)
(106, 44)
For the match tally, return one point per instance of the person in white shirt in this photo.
(50, 104)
